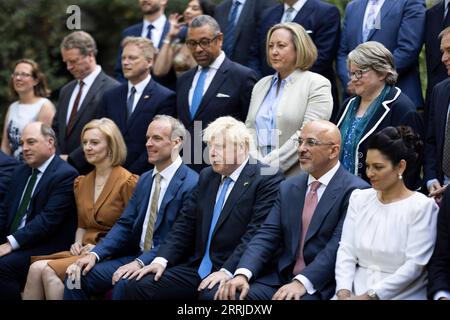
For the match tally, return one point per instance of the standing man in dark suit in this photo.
(436, 162)
(79, 100)
(231, 201)
(439, 265)
(133, 105)
(136, 237)
(321, 21)
(40, 215)
(7, 165)
(437, 19)
(306, 222)
(216, 87)
(399, 25)
(155, 26)
(238, 20)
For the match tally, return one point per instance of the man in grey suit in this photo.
(79, 99)
(305, 224)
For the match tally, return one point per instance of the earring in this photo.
(400, 177)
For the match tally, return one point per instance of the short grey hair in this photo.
(444, 32)
(205, 20)
(146, 46)
(80, 40)
(48, 132)
(374, 55)
(177, 128)
(234, 130)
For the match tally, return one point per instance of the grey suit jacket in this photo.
(89, 109)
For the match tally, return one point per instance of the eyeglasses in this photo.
(20, 74)
(357, 74)
(311, 142)
(203, 43)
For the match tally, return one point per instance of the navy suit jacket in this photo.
(51, 216)
(228, 95)
(88, 110)
(436, 71)
(402, 31)
(439, 265)
(135, 30)
(7, 165)
(244, 211)
(245, 27)
(124, 237)
(435, 132)
(397, 110)
(282, 230)
(155, 99)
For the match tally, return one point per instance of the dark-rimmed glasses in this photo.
(204, 43)
(358, 73)
(311, 142)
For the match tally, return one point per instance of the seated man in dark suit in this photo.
(40, 215)
(7, 165)
(306, 222)
(216, 87)
(436, 162)
(231, 201)
(439, 265)
(133, 105)
(135, 238)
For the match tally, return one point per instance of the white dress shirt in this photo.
(297, 7)
(157, 31)
(376, 7)
(139, 90)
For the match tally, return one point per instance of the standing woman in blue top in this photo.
(378, 104)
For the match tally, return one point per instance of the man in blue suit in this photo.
(133, 105)
(155, 26)
(238, 20)
(39, 217)
(321, 21)
(306, 222)
(216, 87)
(437, 153)
(231, 201)
(135, 238)
(437, 19)
(399, 25)
(7, 165)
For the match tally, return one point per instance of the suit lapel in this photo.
(45, 176)
(65, 100)
(385, 9)
(143, 200)
(164, 33)
(304, 13)
(144, 101)
(107, 189)
(295, 209)
(22, 177)
(246, 12)
(360, 9)
(210, 201)
(185, 85)
(121, 110)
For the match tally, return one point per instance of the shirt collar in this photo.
(242, 2)
(297, 6)
(276, 77)
(158, 24)
(217, 63)
(89, 79)
(140, 86)
(44, 166)
(326, 178)
(169, 172)
(236, 173)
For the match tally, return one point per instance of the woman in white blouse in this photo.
(389, 231)
(283, 103)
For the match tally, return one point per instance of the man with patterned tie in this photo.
(133, 105)
(216, 87)
(306, 222)
(79, 100)
(40, 215)
(231, 201)
(159, 197)
(436, 165)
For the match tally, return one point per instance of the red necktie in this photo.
(308, 211)
(73, 113)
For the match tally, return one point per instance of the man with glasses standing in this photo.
(216, 87)
(306, 222)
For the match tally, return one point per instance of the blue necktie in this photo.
(206, 265)
(130, 102)
(228, 42)
(149, 31)
(198, 92)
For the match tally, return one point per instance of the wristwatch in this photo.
(372, 295)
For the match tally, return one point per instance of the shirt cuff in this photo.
(441, 294)
(306, 283)
(141, 263)
(12, 241)
(161, 261)
(245, 272)
(430, 182)
(228, 273)
(96, 256)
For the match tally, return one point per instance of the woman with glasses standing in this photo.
(29, 85)
(283, 103)
(377, 104)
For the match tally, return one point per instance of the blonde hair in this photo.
(305, 48)
(235, 131)
(116, 144)
(146, 46)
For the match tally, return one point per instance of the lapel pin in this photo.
(146, 97)
(246, 183)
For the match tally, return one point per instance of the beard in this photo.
(148, 9)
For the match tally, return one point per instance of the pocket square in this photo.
(222, 95)
(309, 31)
